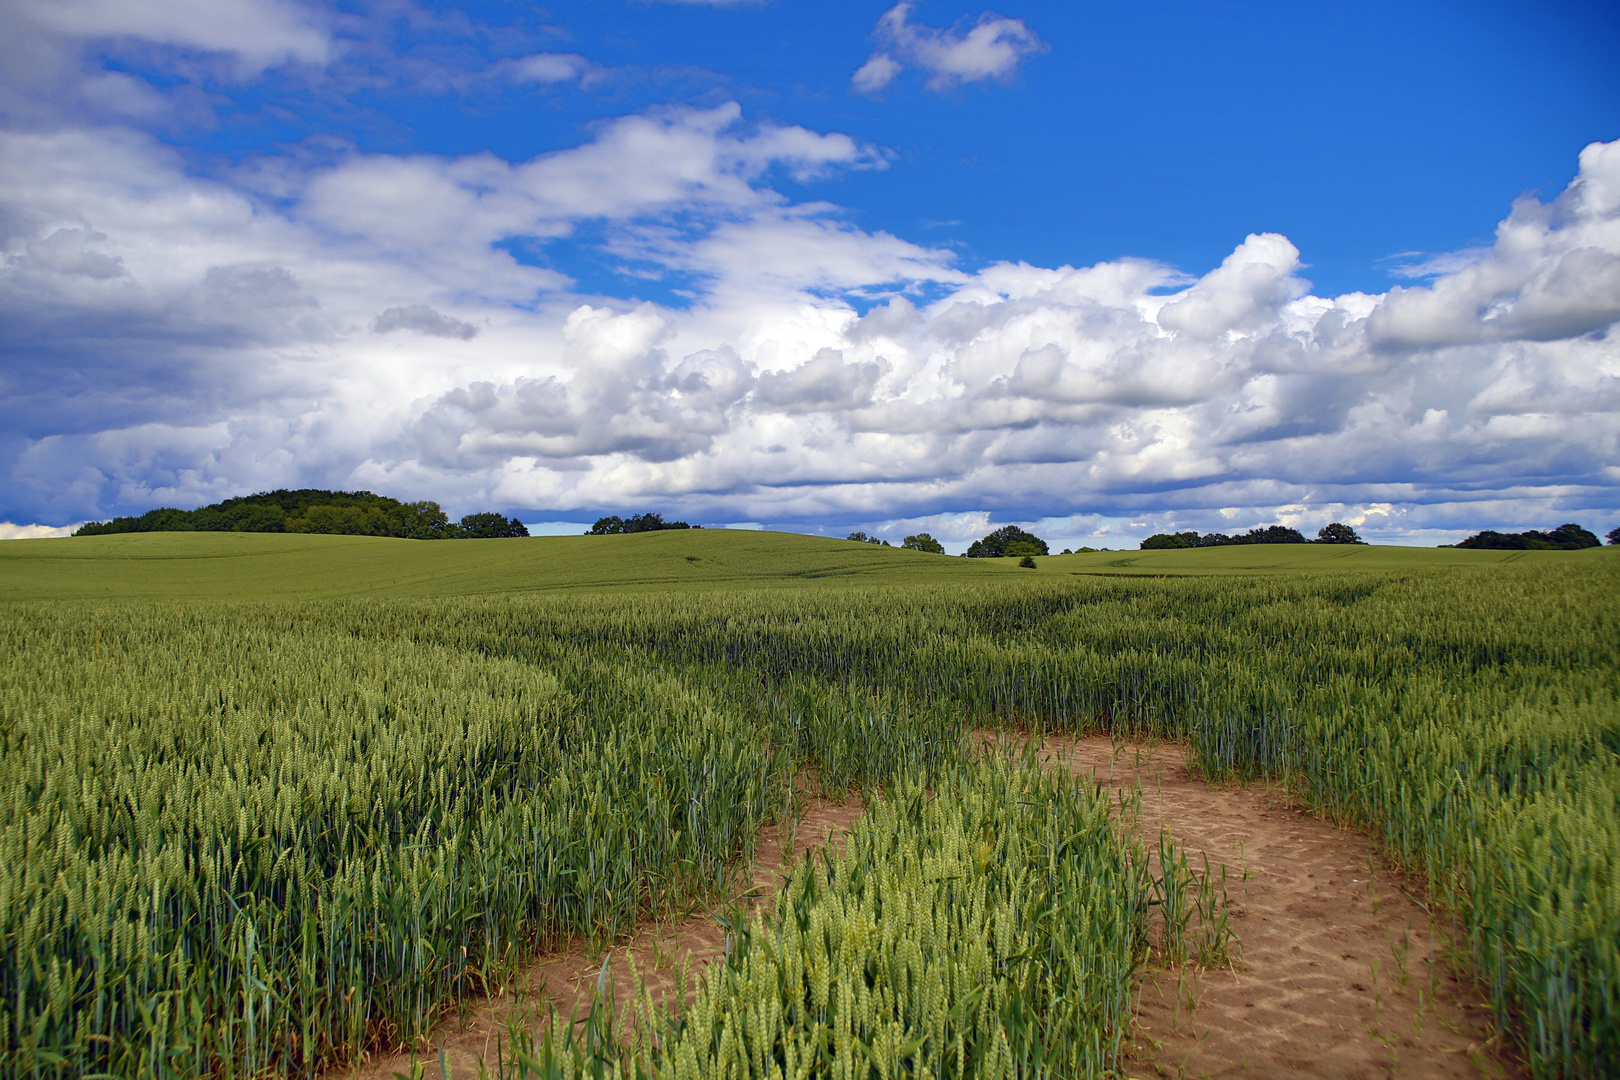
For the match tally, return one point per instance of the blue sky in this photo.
(1102, 269)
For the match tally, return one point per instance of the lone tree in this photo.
(924, 542)
(1009, 540)
(1337, 533)
(1614, 536)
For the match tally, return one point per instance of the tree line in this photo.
(1567, 537)
(1336, 533)
(613, 525)
(311, 510)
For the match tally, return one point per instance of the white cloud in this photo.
(878, 71)
(990, 48)
(546, 67)
(261, 32)
(8, 531)
(176, 339)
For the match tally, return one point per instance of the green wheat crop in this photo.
(261, 837)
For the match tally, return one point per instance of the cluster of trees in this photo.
(1009, 540)
(1336, 533)
(1569, 537)
(311, 510)
(861, 538)
(614, 525)
(923, 542)
(917, 542)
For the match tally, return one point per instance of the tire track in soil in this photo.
(1317, 912)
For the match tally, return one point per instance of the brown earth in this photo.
(1335, 973)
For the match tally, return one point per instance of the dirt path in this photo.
(1336, 974)
(567, 978)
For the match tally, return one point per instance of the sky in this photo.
(1097, 270)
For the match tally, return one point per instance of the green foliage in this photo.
(1161, 541)
(1027, 562)
(1570, 537)
(309, 510)
(490, 527)
(1613, 535)
(613, 525)
(1337, 533)
(861, 538)
(1271, 534)
(923, 542)
(1009, 540)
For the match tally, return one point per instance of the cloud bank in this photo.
(393, 322)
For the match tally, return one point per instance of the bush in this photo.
(1027, 563)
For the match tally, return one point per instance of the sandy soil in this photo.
(1335, 974)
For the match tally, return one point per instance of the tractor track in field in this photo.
(1324, 932)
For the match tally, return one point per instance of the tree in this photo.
(1271, 534)
(305, 510)
(1614, 536)
(923, 542)
(1027, 562)
(1160, 541)
(1009, 540)
(613, 525)
(1568, 537)
(1338, 534)
(490, 527)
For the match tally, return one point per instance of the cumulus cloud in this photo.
(1554, 272)
(991, 47)
(171, 338)
(424, 320)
